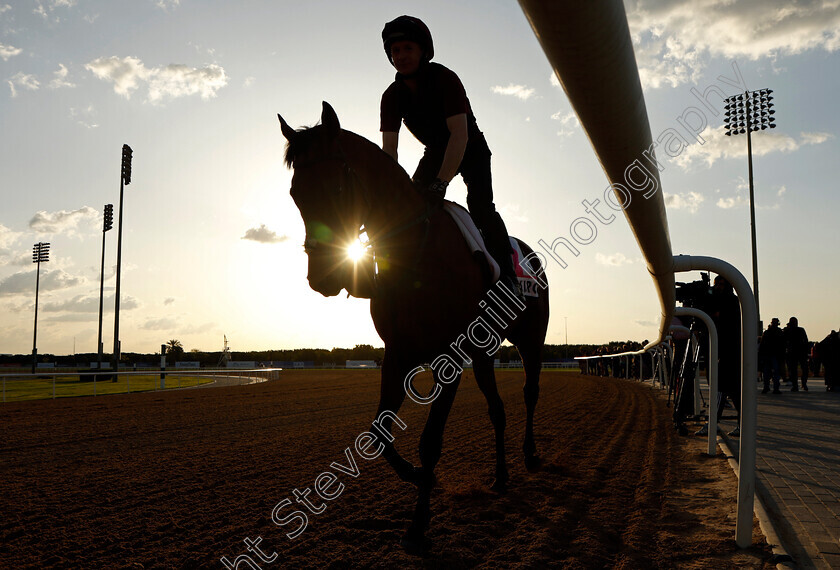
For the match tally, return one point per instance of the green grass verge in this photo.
(46, 386)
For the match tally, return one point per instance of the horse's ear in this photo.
(330, 120)
(288, 131)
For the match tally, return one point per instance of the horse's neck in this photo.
(394, 202)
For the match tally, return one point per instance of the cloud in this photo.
(667, 63)
(732, 202)
(741, 197)
(718, 146)
(24, 282)
(165, 323)
(514, 212)
(8, 52)
(815, 138)
(7, 238)
(23, 80)
(162, 83)
(63, 221)
(520, 91)
(197, 329)
(263, 235)
(60, 79)
(177, 80)
(88, 304)
(166, 5)
(569, 123)
(126, 73)
(688, 201)
(674, 39)
(47, 7)
(614, 260)
(85, 116)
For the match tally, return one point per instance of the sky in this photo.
(212, 242)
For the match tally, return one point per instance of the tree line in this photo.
(318, 356)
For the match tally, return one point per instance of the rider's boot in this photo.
(498, 243)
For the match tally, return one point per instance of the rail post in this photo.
(749, 369)
(712, 369)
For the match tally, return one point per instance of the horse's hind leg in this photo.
(485, 377)
(532, 361)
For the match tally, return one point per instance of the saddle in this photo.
(364, 279)
(475, 241)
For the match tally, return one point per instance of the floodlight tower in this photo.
(107, 224)
(40, 253)
(125, 180)
(752, 111)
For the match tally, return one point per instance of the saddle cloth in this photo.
(476, 244)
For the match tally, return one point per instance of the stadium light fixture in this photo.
(40, 254)
(744, 114)
(107, 224)
(125, 179)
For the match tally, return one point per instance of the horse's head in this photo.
(333, 206)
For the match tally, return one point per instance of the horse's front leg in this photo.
(431, 444)
(391, 397)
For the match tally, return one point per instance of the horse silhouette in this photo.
(432, 298)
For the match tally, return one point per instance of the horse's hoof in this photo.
(414, 543)
(410, 474)
(500, 485)
(533, 463)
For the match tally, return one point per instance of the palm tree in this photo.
(175, 348)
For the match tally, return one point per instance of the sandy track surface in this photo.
(180, 479)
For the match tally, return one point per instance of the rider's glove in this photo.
(436, 192)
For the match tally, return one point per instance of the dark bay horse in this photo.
(432, 300)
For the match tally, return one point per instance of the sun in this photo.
(355, 251)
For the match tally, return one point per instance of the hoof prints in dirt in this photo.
(174, 481)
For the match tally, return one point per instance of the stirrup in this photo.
(512, 285)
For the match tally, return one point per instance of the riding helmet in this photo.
(408, 28)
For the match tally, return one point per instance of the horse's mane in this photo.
(307, 137)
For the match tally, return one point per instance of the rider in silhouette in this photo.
(432, 102)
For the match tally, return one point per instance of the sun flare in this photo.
(355, 251)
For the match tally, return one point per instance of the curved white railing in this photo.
(589, 47)
(46, 384)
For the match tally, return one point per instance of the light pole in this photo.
(40, 253)
(752, 111)
(566, 326)
(125, 179)
(107, 224)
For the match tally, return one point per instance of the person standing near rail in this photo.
(796, 353)
(771, 353)
(727, 318)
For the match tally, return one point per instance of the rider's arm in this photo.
(390, 140)
(457, 125)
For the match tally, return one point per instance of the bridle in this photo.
(349, 177)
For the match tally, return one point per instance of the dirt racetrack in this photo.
(180, 479)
